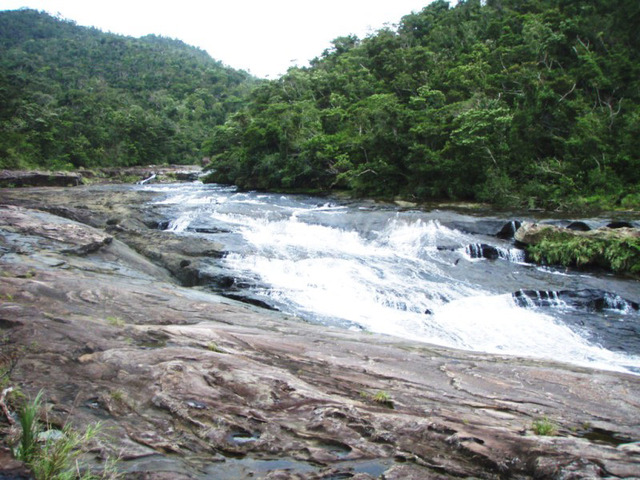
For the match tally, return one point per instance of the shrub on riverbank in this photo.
(610, 249)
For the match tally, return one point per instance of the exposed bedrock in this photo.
(34, 178)
(191, 385)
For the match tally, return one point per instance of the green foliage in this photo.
(75, 97)
(213, 347)
(117, 395)
(56, 458)
(624, 255)
(631, 201)
(544, 426)
(533, 104)
(521, 104)
(53, 454)
(620, 254)
(380, 397)
(29, 422)
(115, 321)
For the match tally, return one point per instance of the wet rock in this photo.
(148, 174)
(585, 299)
(482, 250)
(579, 226)
(509, 229)
(33, 178)
(184, 258)
(70, 237)
(247, 297)
(79, 215)
(158, 225)
(620, 224)
(187, 175)
(209, 230)
(533, 233)
(478, 227)
(405, 204)
(283, 398)
(12, 469)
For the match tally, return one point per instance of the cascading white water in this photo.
(388, 284)
(402, 275)
(181, 223)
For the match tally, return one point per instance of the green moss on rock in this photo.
(617, 250)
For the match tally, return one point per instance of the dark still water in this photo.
(415, 274)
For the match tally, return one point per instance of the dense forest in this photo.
(514, 102)
(75, 97)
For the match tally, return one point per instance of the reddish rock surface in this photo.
(190, 385)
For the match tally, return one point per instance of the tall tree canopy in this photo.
(515, 102)
(77, 97)
(519, 102)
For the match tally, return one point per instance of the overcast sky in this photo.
(264, 37)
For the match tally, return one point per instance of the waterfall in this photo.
(490, 252)
(399, 273)
(147, 180)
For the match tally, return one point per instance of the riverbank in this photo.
(613, 249)
(150, 173)
(192, 385)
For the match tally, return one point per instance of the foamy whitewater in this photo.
(409, 274)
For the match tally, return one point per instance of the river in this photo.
(409, 273)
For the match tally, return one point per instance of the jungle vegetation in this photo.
(512, 102)
(73, 97)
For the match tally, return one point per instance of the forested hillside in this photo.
(515, 102)
(72, 96)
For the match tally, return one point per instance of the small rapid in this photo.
(410, 274)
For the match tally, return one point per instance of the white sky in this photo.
(264, 37)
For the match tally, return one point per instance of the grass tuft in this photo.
(213, 347)
(115, 321)
(54, 454)
(544, 426)
(28, 416)
(381, 397)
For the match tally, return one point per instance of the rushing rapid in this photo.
(440, 277)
